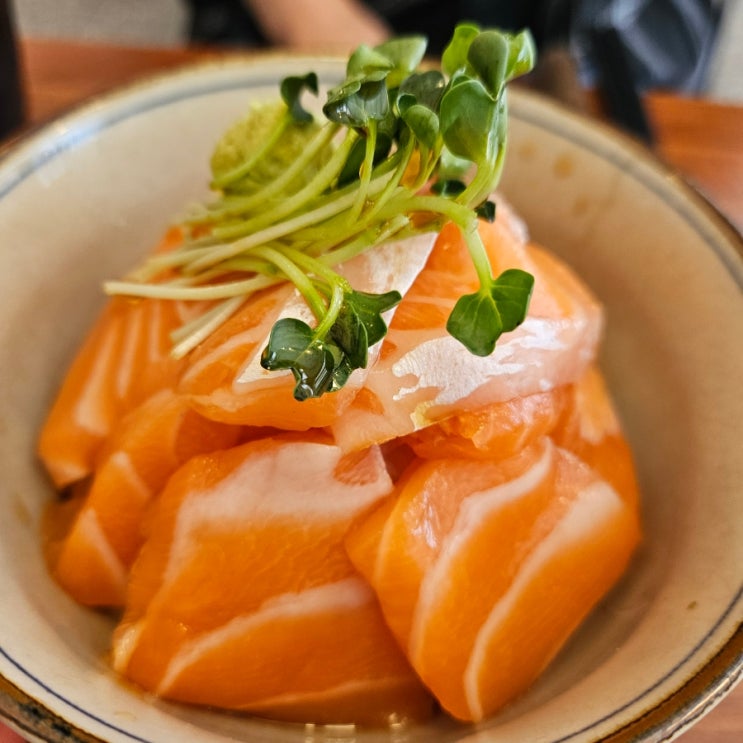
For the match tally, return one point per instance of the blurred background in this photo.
(692, 46)
(618, 48)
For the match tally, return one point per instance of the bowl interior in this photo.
(81, 200)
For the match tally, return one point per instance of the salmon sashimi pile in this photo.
(367, 520)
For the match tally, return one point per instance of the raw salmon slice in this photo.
(243, 596)
(495, 432)
(91, 556)
(124, 359)
(483, 569)
(590, 428)
(424, 375)
(225, 380)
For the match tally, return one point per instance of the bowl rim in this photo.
(670, 716)
(28, 134)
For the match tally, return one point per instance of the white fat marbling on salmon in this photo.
(293, 480)
(393, 265)
(442, 364)
(125, 644)
(252, 371)
(137, 486)
(597, 418)
(133, 332)
(67, 472)
(239, 339)
(188, 311)
(425, 375)
(91, 413)
(593, 509)
(431, 375)
(251, 335)
(220, 398)
(475, 511)
(345, 595)
(90, 530)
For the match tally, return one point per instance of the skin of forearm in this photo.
(322, 25)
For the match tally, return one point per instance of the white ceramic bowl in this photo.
(83, 198)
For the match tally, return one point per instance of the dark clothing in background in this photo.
(659, 43)
(223, 22)
(437, 19)
(228, 22)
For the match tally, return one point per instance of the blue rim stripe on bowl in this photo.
(71, 704)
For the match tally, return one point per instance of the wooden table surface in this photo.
(702, 140)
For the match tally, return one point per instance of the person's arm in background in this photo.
(323, 25)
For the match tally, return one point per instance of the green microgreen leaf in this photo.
(291, 89)
(486, 211)
(294, 198)
(468, 118)
(475, 323)
(350, 171)
(451, 167)
(454, 57)
(360, 324)
(322, 362)
(422, 121)
(349, 334)
(364, 61)
(488, 56)
(369, 309)
(522, 55)
(405, 54)
(355, 102)
(425, 87)
(448, 187)
(512, 292)
(292, 345)
(479, 319)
